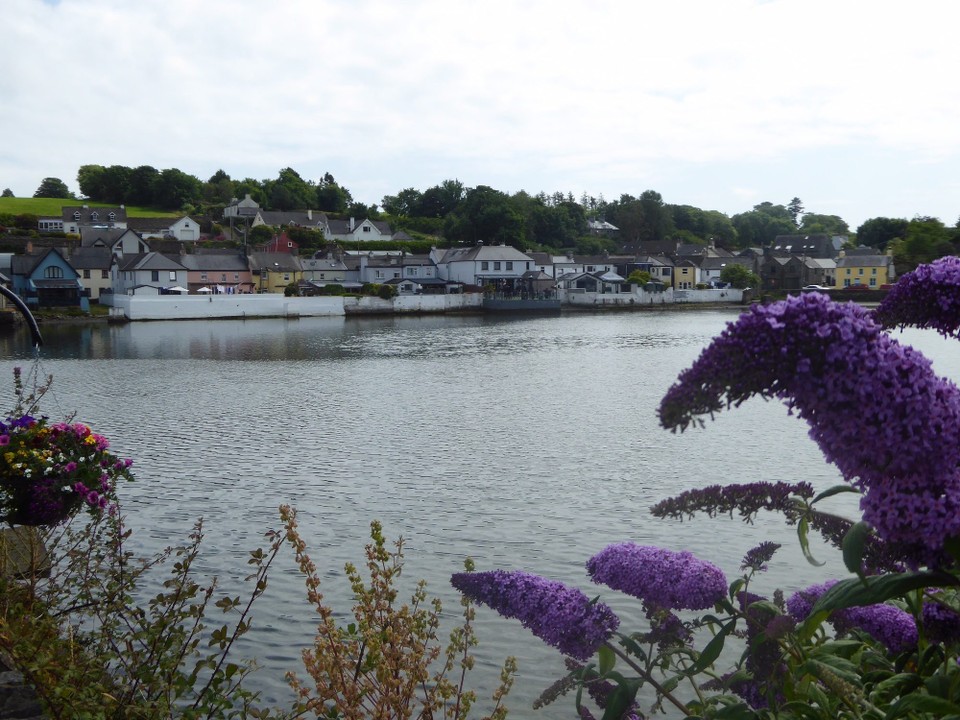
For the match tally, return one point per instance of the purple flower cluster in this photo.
(757, 558)
(928, 297)
(890, 625)
(940, 622)
(747, 499)
(660, 578)
(875, 407)
(559, 615)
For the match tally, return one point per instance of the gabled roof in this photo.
(25, 264)
(232, 262)
(864, 261)
(148, 261)
(322, 263)
(479, 253)
(106, 237)
(715, 263)
(294, 217)
(87, 212)
(91, 258)
(275, 262)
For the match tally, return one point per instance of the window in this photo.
(104, 274)
(873, 271)
(366, 228)
(223, 277)
(236, 276)
(496, 265)
(848, 271)
(860, 271)
(203, 276)
(286, 277)
(76, 215)
(509, 265)
(846, 282)
(53, 272)
(94, 216)
(155, 275)
(289, 243)
(86, 274)
(873, 282)
(379, 275)
(112, 216)
(412, 272)
(484, 265)
(173, 276)
(591, 268)
(396, 274)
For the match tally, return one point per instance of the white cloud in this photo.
(604, 96)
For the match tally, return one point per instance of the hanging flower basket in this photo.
(50, 471)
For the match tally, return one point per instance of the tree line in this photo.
(465, 215)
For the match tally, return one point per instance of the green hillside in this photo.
(52, 206)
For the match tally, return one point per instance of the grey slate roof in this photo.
(91, 258)
(86, 214)
(232, 262)
(148, 261)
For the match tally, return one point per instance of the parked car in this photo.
(857, 288)
(814, 288)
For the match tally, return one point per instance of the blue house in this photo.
(46, 279)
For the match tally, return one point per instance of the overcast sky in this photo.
(854, 107)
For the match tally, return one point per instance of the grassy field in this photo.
(52, 206)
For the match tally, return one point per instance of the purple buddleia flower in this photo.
(746, 499)
(757, 558)
(928, 297)
(941, 623)
(890, 625)
(875, 407)
(559, 615)
(666, 630)
(660, 578)
(801, 602)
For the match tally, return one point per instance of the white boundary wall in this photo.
(640, 298)
(198, 307)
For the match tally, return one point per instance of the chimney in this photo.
(352, 224)
(309, 214)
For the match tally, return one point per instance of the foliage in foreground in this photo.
(881, 644)
(388, 663)
(90, 645)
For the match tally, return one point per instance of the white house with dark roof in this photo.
(482, 264)
(76, 217)
(147, 273)
(184, 229)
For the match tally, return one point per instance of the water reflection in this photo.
(524, 444)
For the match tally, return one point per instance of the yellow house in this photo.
(873, 271)
(685, 275)
(272, 272)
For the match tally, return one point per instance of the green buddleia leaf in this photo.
(803, 531)
(916, 703)
(853, 545)
(607, 659)
(879, 588)
(835, 490)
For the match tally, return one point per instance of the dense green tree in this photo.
(441, 200)
(251, 187)
(261, 234)
(879, 231)
(739, 276)
(52, 187)
(142, 185)
(405, 203)
(761, 225)
(486, 215)
(658, 223)
(290, 191)
(827, 224)
(7, 192)
(331, 197)
(175, 189)
(925, 240)
(115, 184)
(795, 208)
(89, 179)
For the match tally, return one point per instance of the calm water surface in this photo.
(526, 443)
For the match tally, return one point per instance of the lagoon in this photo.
(526, 443)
